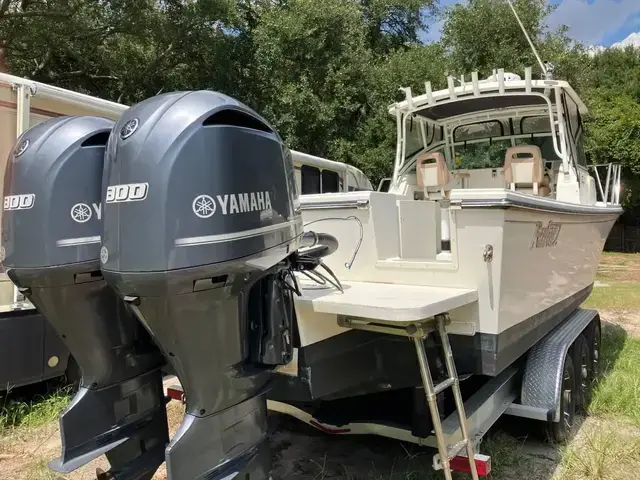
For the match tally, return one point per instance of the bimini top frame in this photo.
(493, 97)
(499, 83)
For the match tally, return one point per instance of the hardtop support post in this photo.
(23, 110)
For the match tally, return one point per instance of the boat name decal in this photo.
(545, 236)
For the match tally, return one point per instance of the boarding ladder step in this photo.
(446, 452)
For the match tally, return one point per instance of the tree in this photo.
(122, 50)
(324, 72)
(312, 61)
(374, 150)
(484, 34)
(394, 24)
(613, 124)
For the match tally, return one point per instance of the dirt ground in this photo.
(301, 452)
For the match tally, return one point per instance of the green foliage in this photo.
(37, 411)
(483, 34)
(374, 151)
(323, 72)
(613, 126)
(311, 62)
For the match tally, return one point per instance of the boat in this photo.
(492, 216)
(357, 311)
(323, 306)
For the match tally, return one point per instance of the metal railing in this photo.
(610, 189)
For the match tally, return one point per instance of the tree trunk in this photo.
(4, 67)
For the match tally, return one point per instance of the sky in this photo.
(593, 22)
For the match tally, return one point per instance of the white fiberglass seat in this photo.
(523, 169)
(432, 175)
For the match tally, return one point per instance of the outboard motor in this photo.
(51, 231)
(200, 228)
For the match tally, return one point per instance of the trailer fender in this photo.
(542, 377)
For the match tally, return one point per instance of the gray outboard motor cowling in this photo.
(51, 229)
(200, 224)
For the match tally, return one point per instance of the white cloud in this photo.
(632, 40)
(590, 22)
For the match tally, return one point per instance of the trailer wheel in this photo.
(594, 337)
(561, 431)
(583, 369)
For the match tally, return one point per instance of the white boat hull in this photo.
(531, 266)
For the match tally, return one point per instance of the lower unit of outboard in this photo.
(51, 231)
(201, 224)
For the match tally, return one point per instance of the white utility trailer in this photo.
(30, 350)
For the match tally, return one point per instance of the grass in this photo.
(35, 412)
(621, 274)
(40, 471)
(605, 452)
(618, 392)
(617, 296)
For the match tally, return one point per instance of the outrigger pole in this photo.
(535, 52)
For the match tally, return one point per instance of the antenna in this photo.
(535, 52)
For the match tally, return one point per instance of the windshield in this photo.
(481, 155)
(544, 143)
(413, 138)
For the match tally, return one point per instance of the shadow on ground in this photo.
(516, 445)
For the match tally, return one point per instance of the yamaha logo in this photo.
(129, 128)
(81, 213)
(21, 148)
(204, 206)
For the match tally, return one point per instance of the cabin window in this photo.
(545, 144)
(535, 125)
(310, 180)
(330, 181)
(413, 137)
(313, 180)
(575, 135)
(438, 134)
(477, 131)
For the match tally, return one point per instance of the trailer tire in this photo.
(562, 430)
(594, 337)
(583, 364)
